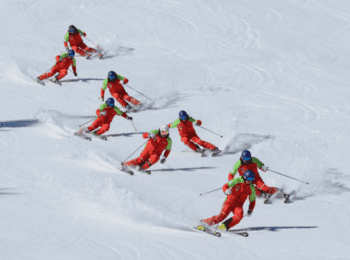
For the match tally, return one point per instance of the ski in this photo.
(56, 82)
(270, 228)
(123, 134)
(217, 234)
(83, 136)
(102, 137)
(232, 232)
(127, 171)
(40, 82)
(182, 169)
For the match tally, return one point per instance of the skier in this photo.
(117, 90)
(189, 136)
(159, 141)
(247, 162)
(61, 66)
(237, 191)
(105, 115)
(73, 36)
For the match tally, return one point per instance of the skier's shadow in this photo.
(8, 191)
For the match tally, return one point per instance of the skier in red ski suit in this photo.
(61, 66)
(188, 135)
(237, 191)
(112, 82)
(159, 141)
(247, 162)
(73, 37)
(105, 113)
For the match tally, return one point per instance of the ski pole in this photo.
(87, 122)
(135, 151)
(138, 92)
(210, 131)
(133, 125)
(93, 43)
(288, 176)
(209, 191)
(73, 72)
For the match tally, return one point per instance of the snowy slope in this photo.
(270, 76)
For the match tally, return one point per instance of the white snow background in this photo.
(270, 76)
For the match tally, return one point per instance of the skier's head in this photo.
(164, 130)
(246, 156)
(72, 29)
(183, 115)
(71, 54)
(110, 102)
(249, 176)
(112, 76)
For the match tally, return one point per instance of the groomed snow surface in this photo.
(270, 76)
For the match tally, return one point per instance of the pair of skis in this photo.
(169, 169)
(218, 234)
(84, 136)
(53, 81)
(288, 198)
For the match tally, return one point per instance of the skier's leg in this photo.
(262, 187)
(53, 71)
(139, 160)
(119, 99)
(153, 159)
(96, 124)
(62, 74)
(132, 100)
(198, 141)
(225, 211)
(187, 141)
(238, 215)
(104, 128)
(90, 50)
(78, 50)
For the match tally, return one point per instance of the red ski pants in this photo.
(261, 186)
(54, 70)
(82, 49)
(190, 140)
(100, 122)
(148, 157)
(227, 208)
(122, 97)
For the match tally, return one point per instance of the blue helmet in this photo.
(71, 53)
(183, 115)
(246, 155)
(110, 102)
(112, 75)
(249, 175)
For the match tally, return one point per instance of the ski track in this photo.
(268, 76)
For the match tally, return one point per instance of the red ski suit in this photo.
(77, 43)
(188, 135)
(118, 92)
(61, 67)
(105, 121)
(241, 167)
(234, 202)
(153, 150)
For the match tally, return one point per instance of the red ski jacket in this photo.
(73, 39)
(240, 192)
(241, 167)
(158, 144)
(114, 87)
(185, 128)
(111, 112)
(63, 62)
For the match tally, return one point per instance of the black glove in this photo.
(163, 160)
(75, 74)
(249, 213)
(129, 117)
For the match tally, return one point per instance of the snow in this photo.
(270, 76)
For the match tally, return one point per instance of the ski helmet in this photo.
(71, 53)
(249, 175)
(72, 29)
(246, 155)
(183, 115)
(112, 74)
(164, 130)
(110, 102)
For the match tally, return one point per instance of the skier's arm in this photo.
(119, 112)
(191, 119)
(232, 173)
(168, 148)
(125, 80)
(252, 198)
(150, 134)
(232, 183)
(104, 87)
(174, 125)
(82, 33)
(260, 165)
(74, 66)
(101, 108)
(66, 40)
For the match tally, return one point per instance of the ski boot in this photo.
(201, 151)
(88, 56)
(222, 227)
(286, 198)
(216, 151)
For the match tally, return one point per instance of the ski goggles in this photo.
(71, 30)
(246, 159)
(184, 118)
(110, 104)
(165, 132)
(111, 77)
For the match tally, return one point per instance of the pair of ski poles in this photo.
(268, 170)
